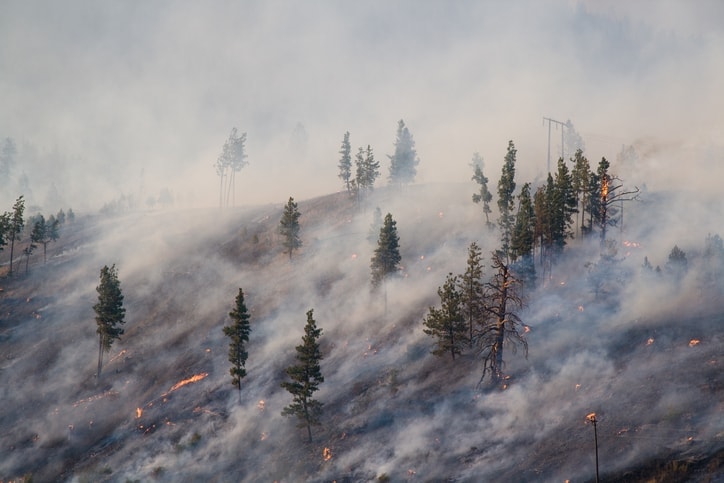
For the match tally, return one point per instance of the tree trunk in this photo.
(12, 247)
(100, 356)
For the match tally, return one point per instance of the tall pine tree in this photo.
(306, 376)
(345, 162)
(289, 227)
(403, 164)
(471, 290)
(483, 196)
(110, 313)
(506, 199)
(238, 334)
(15, 226)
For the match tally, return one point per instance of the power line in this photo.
(562, 124)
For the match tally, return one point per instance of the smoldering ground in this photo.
(391, 407)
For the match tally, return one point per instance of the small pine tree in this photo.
(110, 313)
(238, 333)
(447, 323)
(306, 376)
(15, 226)
(386, 259)
(289, 227)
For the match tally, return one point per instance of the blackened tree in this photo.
(606, 192)
(506, 199)
(503, 323)
(403, 164)
(110, 313)
(447, 323)
(238, 334)
(15, 226)
(472, 290)
(306, 376)
(345, 162)
(484, 195)
(289, 227)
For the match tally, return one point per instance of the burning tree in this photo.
(109, 311)
(502, 321)
(305, 376)
(447, 323)
(606, 191)
(238, 333)
(289, 227)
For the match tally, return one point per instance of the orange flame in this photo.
(650, 341)
(604, 187)
(327, 454)
(139, 413)
(591, 417)
(191, 379)
(694, 342)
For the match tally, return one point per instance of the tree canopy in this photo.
(110, 313)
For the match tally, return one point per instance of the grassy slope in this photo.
(390, 407)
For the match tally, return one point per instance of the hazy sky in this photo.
(146, 93)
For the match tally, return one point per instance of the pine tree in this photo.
(15, 226)
(563, 207)
(484, 196)
(109, 310)
(306, 376)
(403, 164)
(580, 175)
(503, 322)
(523, 240)
(506, 200)
(447, 323)
(238, 333)
(289, 227)
(231, 160)
(471, 290)
(386, 259)
(345, 162)
(36, 236)
(542, 223)
(50, 234)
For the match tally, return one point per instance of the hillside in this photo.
(643, 354)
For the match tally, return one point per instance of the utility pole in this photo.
(592, 418)
(558, 123)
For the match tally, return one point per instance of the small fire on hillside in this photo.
(694, 342)
(139, 413)
(327, 454)
(189, 380)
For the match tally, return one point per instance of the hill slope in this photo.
(165, 410)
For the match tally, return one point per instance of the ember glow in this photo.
(650, 341)
(591, 417)
(694, 342)
(631, 244)
(327, 454)
(139, 413)
(580, 308)
(261, 405)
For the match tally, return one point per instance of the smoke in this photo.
(111, 102)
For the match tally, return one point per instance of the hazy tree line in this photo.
(24, 234)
